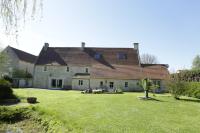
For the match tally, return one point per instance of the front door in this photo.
(57, 83)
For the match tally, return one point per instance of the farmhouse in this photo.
(83, 67)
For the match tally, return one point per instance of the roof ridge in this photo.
(24, 56)
(22, 51)
(96, 47)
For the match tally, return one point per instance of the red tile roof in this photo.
(108, 66)
(86, 57)
(129, 72)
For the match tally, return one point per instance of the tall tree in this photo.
(148, 59)
(196, 62)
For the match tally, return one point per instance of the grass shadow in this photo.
(190, 100)
(150, 99)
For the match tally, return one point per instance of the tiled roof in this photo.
(109, 66)
(24, 56)
(86, 57)
(129, 72)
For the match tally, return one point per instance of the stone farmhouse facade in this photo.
(84, 67)
(19, 60)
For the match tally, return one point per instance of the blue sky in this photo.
(168, 29)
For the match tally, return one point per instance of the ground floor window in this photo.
(157, 82)
(56, 83)
(80, 82)
(126, 84)
(111, 85)
(101, 83)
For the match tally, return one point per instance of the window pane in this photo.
(59, 83)
(53, 83)
(45, 68)
(121, 56)
(86, 70)
(101, 83)
(126, 84)
(97, 56)
(111, 84)
(67, 69)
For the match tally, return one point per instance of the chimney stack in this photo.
(46, 45)
(136, 46)
(82, 45)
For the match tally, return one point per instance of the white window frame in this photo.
(112, 85)
(80, 82)
(45, 68)
(126, 84)
(68, 70)
(86, 70)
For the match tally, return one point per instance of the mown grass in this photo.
(116, 113)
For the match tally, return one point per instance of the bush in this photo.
(176, 87)
(193, 89)
(119, 91)
(12, 114)
(8, 78)
(5, 90)
(31, 99)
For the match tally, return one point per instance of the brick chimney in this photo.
(46, 45)
(82, 45)
(136, 46)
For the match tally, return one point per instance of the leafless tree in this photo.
(148, 59)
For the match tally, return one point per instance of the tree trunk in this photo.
(146, 93)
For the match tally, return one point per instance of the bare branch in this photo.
(148, 59)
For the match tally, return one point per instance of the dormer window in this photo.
(97, 55)
(122, 56)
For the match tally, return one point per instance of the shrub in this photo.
(8, 78)
(17, 73)
(5, 90)
(193, 89)
(12, 114)
(119, 91)
(176, 87)
(31, 99)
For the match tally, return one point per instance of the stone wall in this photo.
(12, 61)
(42, 78)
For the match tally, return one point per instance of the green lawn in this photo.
(117, 113)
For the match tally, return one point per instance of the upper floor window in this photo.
(121, 56)
(126, 84)
(45, 68)
(97, 56)
(67, 69)
(86, 70)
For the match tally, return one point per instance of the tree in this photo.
(147, 85)
(13, 12)
(148, 59)
(196, 62)
(176, 87)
